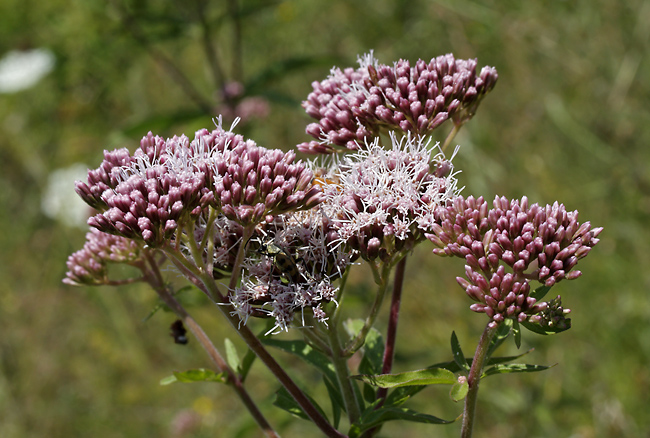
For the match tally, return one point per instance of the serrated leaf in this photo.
(459, 357)
(459, 391)
(430, 376)
(372, 418)
(196, 375)
(231, 356)
(536, 328)
(285, 401)
(514, 368)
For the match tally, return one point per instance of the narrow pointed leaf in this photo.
(247, 363)
(454, 368)
(506, 359)
(285, 401)
(431, 376)
(540, 292)
(372, 418)
(373, 347)
(536, 328)
(399, 396)
(514, 368)
(336, 399)
(459, 357)
(516, 329)
(503, 331)
(196, 375)
(231, 356)
(306, 353)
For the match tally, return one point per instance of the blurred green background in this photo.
(567, 121)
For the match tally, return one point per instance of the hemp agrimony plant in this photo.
(265, 236)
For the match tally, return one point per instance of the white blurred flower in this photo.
(22, 69)
(60, 201)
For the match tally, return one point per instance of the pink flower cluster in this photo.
(166, 183)
(353, 106)
(507, 246)
(89, 264)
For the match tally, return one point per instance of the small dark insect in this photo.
(178, 332)
(283, 262)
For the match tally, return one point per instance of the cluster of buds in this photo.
(381, 201)
(166, 183)
(89, 265)
(354, 106)
(534, 242)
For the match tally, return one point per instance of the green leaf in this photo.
(516, 329)
(231, 356)
(536, 328)
(197, 375)
(540, 292)
(459, 357)
(514, 368)
(372, 361)
(454, 368)
(247, 363)
(305, 352)
(430, 376)
(399, 396)
(369, 393)
(459, 391)
(336, 399)
(284, 400)
(505, 359)
(503, 331)
(372, 418)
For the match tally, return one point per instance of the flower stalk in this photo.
(474, 378)
(343, 374)
(154, 278)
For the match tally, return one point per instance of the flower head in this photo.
(292, 265)
(166, 183)
(383, 200)
(534, 242)
(352, 106)
(89, 264)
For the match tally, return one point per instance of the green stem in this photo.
(208, 285)
(239, 259)
(450, 137)
(154, 278)
(474, 378)
(314, 338)
(381, 278)
(343, 374)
